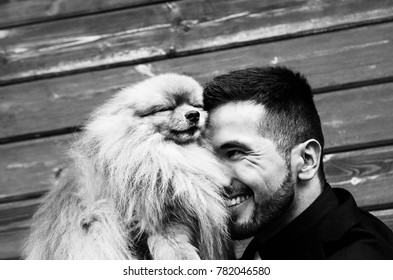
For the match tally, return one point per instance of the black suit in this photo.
(332, 227)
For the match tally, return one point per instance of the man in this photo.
(266, 129)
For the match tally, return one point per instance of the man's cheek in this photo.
(249, 173)
(276, 177)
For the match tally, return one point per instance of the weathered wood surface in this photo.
(30, 168)
(356, 116)
(14, 12)
(329, 60)
(12, 234)
(168, 29)
(14, 225)
(11, 242)
(17, 212)
(366, 173)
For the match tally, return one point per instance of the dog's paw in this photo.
(173, 247)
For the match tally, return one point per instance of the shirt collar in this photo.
(344, 217)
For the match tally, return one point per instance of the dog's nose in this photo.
(193, 116)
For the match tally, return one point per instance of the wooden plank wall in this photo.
(61, 58)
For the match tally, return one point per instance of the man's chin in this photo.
(243, 226)
(256, 219)
(251, 217)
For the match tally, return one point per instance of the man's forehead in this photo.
(237, 112)
(235, 122)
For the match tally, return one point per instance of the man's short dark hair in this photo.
(291, 116)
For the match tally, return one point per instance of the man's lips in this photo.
(237, 193)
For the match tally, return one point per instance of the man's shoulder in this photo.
(374, 224)
(368, 239)
(352, 233)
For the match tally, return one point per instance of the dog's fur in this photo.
(143, 184)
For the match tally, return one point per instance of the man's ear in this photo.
(307, 157)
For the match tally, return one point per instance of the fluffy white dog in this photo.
(143, 184)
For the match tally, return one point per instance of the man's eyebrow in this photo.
(234, 144)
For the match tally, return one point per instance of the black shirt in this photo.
(332, 227)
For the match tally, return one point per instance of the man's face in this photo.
(261, 183)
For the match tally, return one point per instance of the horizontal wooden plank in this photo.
(17, 213)
(356, 116)
(30, 11)
(13, 234)
(14, 224)
(165, 29)
(328, 60)
(11, 242)
(367, 174)
(32, 167)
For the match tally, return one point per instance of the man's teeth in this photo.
(237, 200)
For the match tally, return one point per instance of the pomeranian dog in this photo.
(143, 183)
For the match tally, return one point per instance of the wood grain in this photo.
(18, 212)
(11, 242)
(14, 225)
(15, 12)
(328, 60)
(356, 116)
(31, 168)
(163, 30)
(367, 174)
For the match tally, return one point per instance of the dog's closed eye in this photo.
(153, 110)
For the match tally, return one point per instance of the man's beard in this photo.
(265, 212)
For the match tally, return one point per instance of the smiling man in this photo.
(264, 126)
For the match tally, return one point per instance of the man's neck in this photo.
(240, 246)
